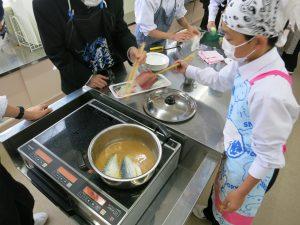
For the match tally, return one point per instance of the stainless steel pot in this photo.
(122, 132)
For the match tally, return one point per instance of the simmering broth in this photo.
(137, 151)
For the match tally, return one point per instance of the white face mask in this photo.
(229, 50)
(91, 3)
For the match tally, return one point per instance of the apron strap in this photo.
(70, 11)
(285, 76)
(175, 8)
(160, 5)
(103, 4)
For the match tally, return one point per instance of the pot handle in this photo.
(162, 129)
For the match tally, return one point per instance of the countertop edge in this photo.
(185, 204)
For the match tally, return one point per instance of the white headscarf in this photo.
(261, 17)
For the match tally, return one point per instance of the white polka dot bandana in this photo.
(256, 17)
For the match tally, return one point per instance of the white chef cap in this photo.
(261, 17)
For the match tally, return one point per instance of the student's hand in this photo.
(182, 66)
(193, 30)
(181, 36)
(233, 201)
(134, 54)
(97, 81)
(210, 25)
(36, 112)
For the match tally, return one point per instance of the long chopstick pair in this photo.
(175, 65)
(133, 71)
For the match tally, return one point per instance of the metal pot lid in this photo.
(170, 105)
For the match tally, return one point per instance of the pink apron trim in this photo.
(233, 218)
(285, 76)
(284, 148)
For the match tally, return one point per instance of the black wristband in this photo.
(21, 114)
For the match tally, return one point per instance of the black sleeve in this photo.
(1, 11)
(122, 36)
(51, 24)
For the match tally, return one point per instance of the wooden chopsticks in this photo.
(130, 80)
(133, 71)
(175, 65)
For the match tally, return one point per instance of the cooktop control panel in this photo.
(73, 182)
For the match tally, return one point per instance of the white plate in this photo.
(160, 83)
(156, 61)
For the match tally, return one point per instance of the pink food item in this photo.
(211, 57)
(146, 79)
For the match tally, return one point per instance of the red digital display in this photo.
(67, 174)
(93, 195)
(43, 156)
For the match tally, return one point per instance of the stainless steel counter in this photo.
(203, 147)
(206, 127)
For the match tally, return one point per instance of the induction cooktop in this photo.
(60, 153)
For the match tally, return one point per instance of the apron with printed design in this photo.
(86, 35)
(163, 23)
(239, 156)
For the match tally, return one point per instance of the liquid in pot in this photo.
(125, 159)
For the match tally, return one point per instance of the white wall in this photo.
(24, 12)
(6, 2)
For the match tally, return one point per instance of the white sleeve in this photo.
(272, 118)
(180, 10)
(3, 105)
(144, 15)
(213, 9)
(220, 81)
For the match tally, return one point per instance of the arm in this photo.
(32, 113)
(221, 81)
(180, 15)
(273, 116)
(234, 200)
(144, 18)
(160, 34)
(184, 23)
(181, 19)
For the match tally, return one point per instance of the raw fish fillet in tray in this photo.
(119, 90)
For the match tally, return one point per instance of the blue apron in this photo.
(239, 157)
(163, 23)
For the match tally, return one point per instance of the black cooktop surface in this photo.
(69, 139)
